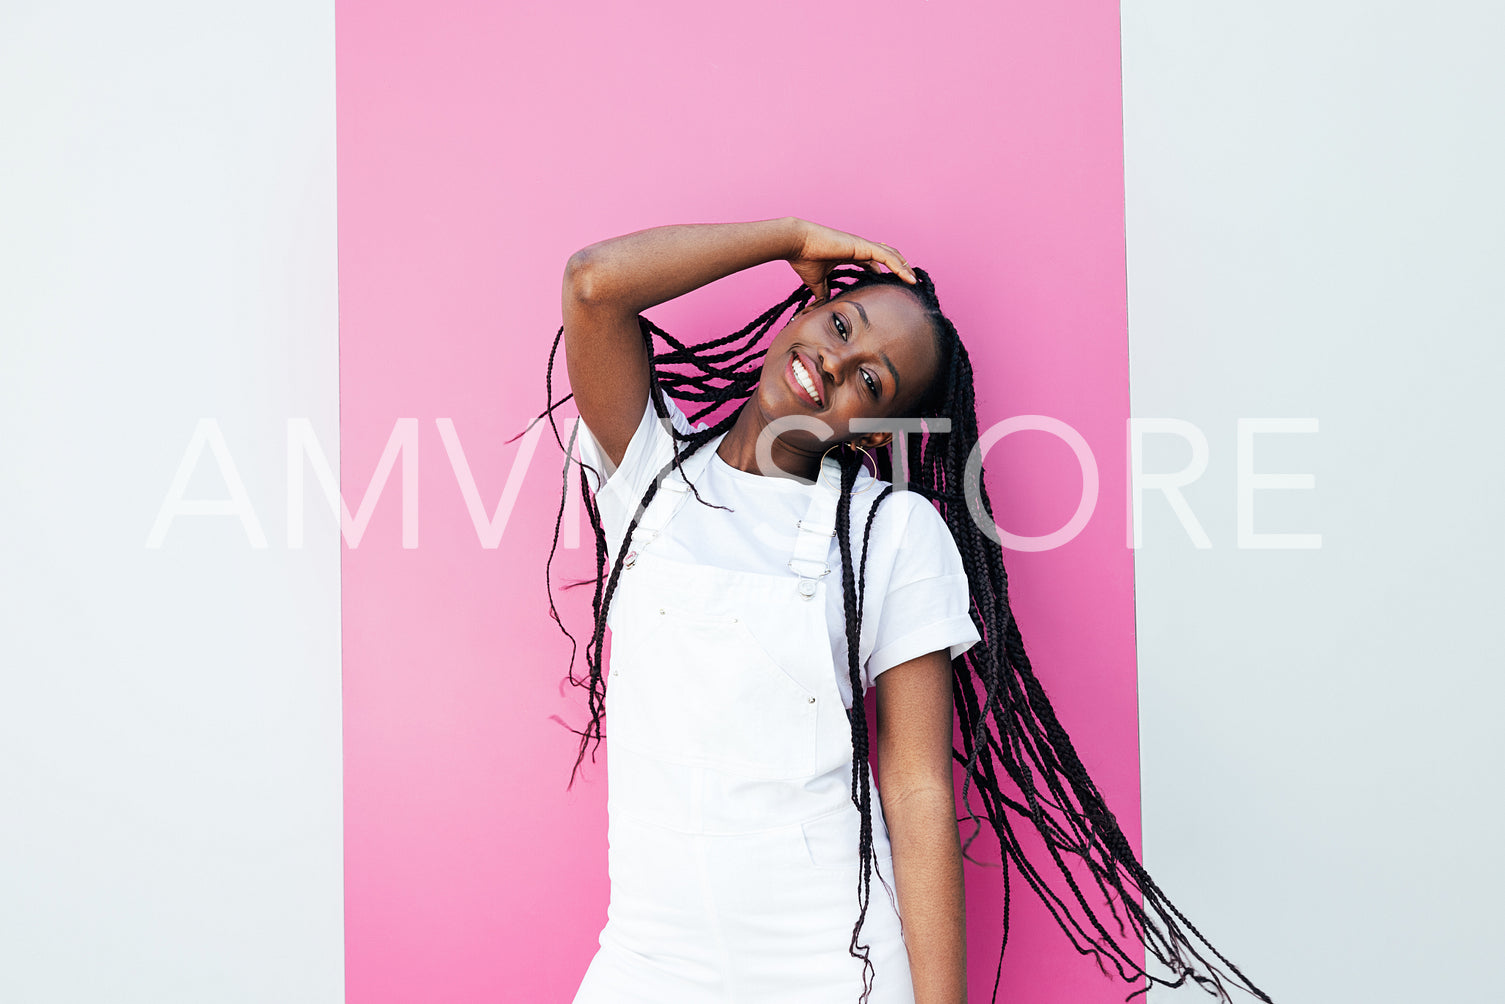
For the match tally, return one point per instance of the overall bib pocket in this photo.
(702, 691)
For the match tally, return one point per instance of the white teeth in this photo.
(804, 378)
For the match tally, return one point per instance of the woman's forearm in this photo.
(644, 268)
(932, 900)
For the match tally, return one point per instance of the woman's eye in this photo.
(841, 328)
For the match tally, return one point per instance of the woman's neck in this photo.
(739, 448)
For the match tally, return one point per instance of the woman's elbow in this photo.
(580, 276)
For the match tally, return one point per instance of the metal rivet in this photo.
(660, 609)
(811, 701)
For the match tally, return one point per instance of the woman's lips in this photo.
(794, 382)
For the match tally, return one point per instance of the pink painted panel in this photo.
(479, 144)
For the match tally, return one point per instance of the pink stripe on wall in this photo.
(479, 145)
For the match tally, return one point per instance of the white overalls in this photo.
(733, 840)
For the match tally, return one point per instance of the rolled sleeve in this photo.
(937, 619)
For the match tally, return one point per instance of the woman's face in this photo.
(868, 352)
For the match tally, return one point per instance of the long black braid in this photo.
(992, 682)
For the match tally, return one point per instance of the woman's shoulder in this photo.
(652, 445)
(900, 514)
(899, 500)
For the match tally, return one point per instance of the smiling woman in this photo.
(741, 817)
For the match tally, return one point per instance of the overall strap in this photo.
(671, 494)
(812, 539)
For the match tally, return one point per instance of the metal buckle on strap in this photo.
(800, 525)
(641, 537)
(807, 582)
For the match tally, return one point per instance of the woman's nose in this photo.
(830, 370)
(835, 363)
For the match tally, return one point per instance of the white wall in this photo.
(1314, 230)
(170, 792)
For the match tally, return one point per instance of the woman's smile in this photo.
(802, 378)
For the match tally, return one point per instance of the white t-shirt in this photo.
(915, 599)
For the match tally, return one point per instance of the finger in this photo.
(896, 263)
(887, 254)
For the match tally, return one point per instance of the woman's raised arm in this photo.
(607, 284)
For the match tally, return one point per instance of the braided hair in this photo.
(1012, 741)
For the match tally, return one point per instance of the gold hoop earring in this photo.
(854, 446)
